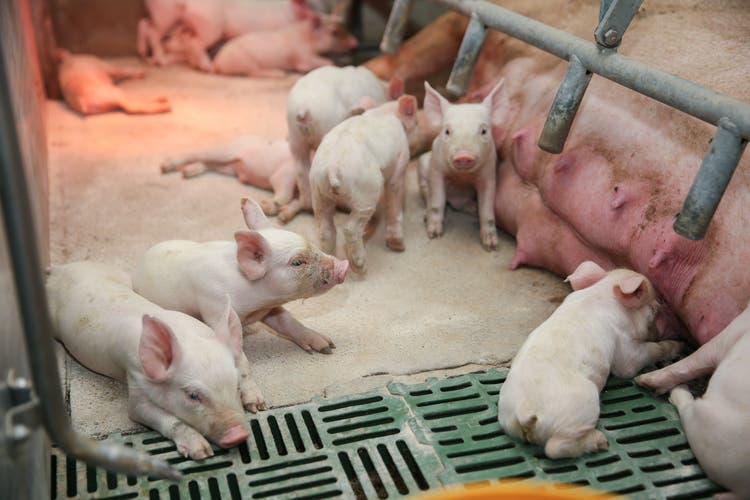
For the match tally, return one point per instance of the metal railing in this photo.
(46, 405)
(731, 116)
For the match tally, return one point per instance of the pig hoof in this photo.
(395, 244)
(326, 350)
(269, 207)
(252, 398)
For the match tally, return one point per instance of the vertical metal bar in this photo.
(614, 21)
(603, 8)
(396, 26)
(32, 302)
(711, 181)
(564, 107)
(468, 53)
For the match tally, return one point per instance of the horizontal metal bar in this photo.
(32, 301)
(710, 182)
(700, 102)
(564, 107)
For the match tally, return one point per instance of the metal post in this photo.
(711, 181)
(32, 302)
(614, 19)
(467, 56)
(396, 26)
(564, 107)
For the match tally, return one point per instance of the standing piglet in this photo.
(296, 47)
(254, 160)
(318, 102)
(260, 270)
(182, 377)
(353, 163)
(551, 394)
(718, 423)
(87, 86)
(464, 157)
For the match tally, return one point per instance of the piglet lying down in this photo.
(551, 395)
(182, 376)
(87, 86)
(254, 160)
(718, 423)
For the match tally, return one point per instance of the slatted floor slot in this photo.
(648, 456)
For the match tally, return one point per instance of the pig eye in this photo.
(447, 131)
(193, 396)
(298, 262)
(483, 130)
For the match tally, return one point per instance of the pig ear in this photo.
(407, 107)
(229, 330)
(631, 291)
(158, 349)
(434, 105)
(585, 275)
(494, 98)
(252, 254)
(395, 88)
(254, 216)
(301, 9)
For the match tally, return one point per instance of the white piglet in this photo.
(318, 102)
(551, 394)
(359, 160)
(182, 376)
(260, 270)
(463, 161)
(254, 160)
(717, 424)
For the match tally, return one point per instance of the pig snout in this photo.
(233, 437)
(463, 160)
(340, 267)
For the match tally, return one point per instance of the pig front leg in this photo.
(189, 442)
(283, 323)
(221, 155)
(250, 393)
(632, 359)
(435, 203)
(122, 72)
(486, 189)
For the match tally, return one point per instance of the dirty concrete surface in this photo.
(442, 307)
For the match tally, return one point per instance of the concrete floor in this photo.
(442, 307)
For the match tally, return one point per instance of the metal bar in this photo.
(710, 182)
(615, 21)
(396, 26)
(703, 103)
(32, 302)
(564, 107)
(467, 56)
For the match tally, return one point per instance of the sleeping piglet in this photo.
(463, 160)
(551, 394)
(261, 269)
(254, 160)
(182, 376)
(360, 159)
(718, 423)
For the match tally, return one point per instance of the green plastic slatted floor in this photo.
(404, 440)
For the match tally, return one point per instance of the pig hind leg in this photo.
(354, 230)
(284, 183)
(324, 209)
(585, 441)
(301, 152)
(219, 155)
(631, 359)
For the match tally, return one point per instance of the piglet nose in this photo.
(340, 267)
(464, 160)
(233, 436)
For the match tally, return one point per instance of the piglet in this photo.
(717, 424)
(354, 162)
(464, 157)
(551, 394)
(296, 47)
(182, 376)
(318, 102)
(88, 88)
(254, 160)
(261, 269)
